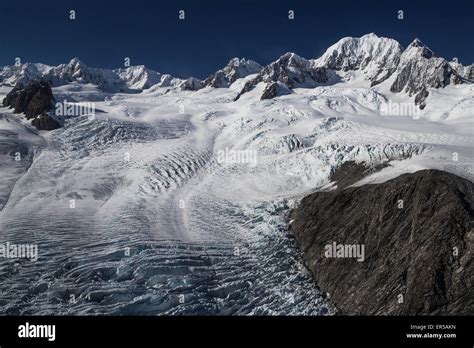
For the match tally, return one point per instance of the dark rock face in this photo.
(45, 122)
(191, 84)
(32, 100)
(350, 172)
(274, 89)
(417, 241)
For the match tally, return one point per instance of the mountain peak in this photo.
(369, 36)
(417, 43)
(419, 47)
(420, 70)
(236, 68)
(376, 56)
(76, 62)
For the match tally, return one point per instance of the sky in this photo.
(150, 32)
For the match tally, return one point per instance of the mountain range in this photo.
(371, 59)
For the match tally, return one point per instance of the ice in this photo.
(160, 226)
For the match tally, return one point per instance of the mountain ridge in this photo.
(412, 70)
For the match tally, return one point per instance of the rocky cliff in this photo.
(402, 247)
(34, 100)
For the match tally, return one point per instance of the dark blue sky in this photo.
(150, 33)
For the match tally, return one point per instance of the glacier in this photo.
(133, 213)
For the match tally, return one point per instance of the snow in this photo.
(145, 177)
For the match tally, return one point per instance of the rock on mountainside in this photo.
(235, 69)
(34, 100)
(377, 57)
(191, 84)
(290, 70)
(419, 70)
(417, 235)
(466, 72)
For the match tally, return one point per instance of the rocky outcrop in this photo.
(402, 247)
(191, 84)
(34, 100)
(466, 72)
(273, 89)
(45, 122)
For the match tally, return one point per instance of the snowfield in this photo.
(134, 213)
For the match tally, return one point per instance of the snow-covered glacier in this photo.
(175, 201)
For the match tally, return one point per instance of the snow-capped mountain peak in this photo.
(289, 70)
(139, 77)
(376, 56)
(420, 70)
(234, 70)
(11, 75)
(418, 48)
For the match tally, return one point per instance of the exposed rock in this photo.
(32, 100)
(466, 72)
(45, 122)
(417, 237)
(350, 172)
(274, 89)
(191, 84)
